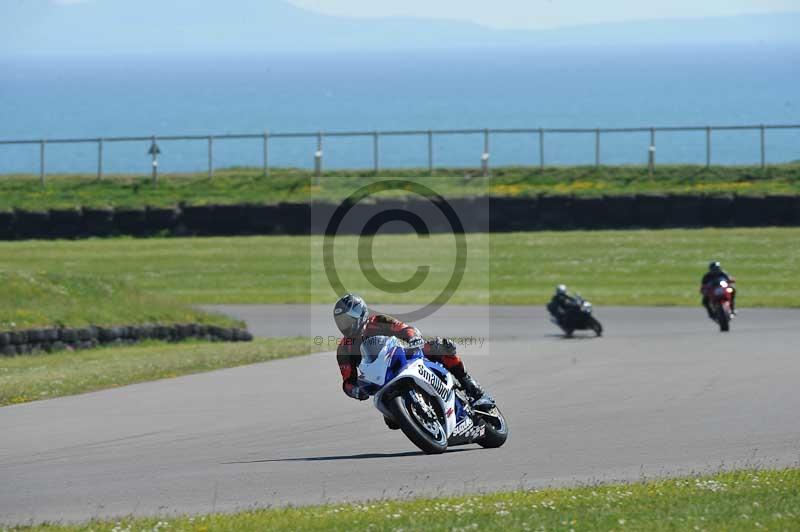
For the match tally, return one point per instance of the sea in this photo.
(56, 97)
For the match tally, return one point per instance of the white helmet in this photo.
(350, 313)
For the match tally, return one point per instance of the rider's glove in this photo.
(449, 346)
(356, 393)
(443, 346)
(416, 342)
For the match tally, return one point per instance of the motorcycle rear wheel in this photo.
(406, 414)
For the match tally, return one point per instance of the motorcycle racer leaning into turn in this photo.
(356, 324)
(562, 303)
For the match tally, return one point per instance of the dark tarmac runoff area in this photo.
(662, 393)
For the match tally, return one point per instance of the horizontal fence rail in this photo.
(429, 135)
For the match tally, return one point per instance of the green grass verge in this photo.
(645, 267)
(30, 378)
(745, 500)
(60, 298)
(247, 185)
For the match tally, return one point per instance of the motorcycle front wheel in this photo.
(414, 412)
(596, 327)
(496, 429)
(724, 318)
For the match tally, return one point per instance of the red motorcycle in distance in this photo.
(720, 294)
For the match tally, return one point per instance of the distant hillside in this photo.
(102, 26)
(781, 28)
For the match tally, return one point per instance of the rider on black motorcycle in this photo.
(715, 272)
(354, 321)
(562, 303)
(572, 313)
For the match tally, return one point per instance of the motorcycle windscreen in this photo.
(376, 354)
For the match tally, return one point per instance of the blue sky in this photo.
(189, 26)
(538, 14)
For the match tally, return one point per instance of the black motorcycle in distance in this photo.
(576, 317)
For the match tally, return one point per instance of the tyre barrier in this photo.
(747, 211)
(65, 223)
(292, 218)
(496, 214)
(718, 211)
(197, 220)
(617, 211)
(50, 340)
(131, 222)
(479, 219)
(689, 209)
(228, 219)
(6, 225)
(556, 212)
(32, 224)
(586, 212)
(98, 222)
(652, 210)
(161, 220)
(780, 209)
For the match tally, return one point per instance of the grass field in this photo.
(31, 298)
(31, 378)
(745, 500)
(247, 185)
(645, 267)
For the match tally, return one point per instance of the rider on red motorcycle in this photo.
(715, 273)
(353, 320)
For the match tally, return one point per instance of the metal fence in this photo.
(430, 135)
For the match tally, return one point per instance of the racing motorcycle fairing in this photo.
(387, 362)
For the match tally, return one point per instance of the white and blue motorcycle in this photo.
(421, 397)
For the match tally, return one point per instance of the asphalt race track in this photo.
(663, 393)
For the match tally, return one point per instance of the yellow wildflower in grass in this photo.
(735, 186)
(506, 189)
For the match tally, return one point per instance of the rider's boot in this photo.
(391, 424)
(475, 391)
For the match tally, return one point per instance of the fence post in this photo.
(41, 161)
(541, 149)
(485, 156)
(154, 151)
(318, 156)
(266, 153)
(651, 152)
(708, 147)
(99, 159)
(430, 152)
(375, 152)
(763, 147)
(210, 156)
(597, 148)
